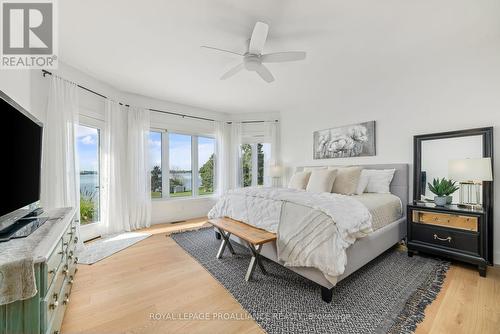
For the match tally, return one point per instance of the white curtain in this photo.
(273, 135)
(236, 141)
(59, 169)
(126, 191)
(139, 178)
(60, 182)
(114, 197)
(222, 162)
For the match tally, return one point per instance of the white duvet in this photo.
(317, 239)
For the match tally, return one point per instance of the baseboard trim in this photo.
(496, 259)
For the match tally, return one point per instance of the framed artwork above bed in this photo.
(355, 140)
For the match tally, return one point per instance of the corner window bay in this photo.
(181, 165)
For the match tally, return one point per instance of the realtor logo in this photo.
(28, 34)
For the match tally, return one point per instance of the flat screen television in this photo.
(21, 160)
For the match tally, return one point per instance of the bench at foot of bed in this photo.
(253, 236)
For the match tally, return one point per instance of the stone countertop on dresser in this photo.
(18, 256)
(40, 244)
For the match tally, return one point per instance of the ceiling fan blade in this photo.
(264, 73)
(258, 39)
(281, 57)
(221, 50)
(232, 71)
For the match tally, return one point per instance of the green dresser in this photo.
(55, 269)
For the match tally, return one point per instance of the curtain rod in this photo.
(45, 72)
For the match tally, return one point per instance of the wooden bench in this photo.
(253, 236)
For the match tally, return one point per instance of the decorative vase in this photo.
(440, 200)
(449, 199)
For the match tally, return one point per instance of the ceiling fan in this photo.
(253, 59)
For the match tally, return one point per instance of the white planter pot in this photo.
(440, 200)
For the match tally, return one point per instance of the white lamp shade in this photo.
(470, 170)
(275, 171)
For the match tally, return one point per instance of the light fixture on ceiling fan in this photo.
(253, 59)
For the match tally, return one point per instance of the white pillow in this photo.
(379, 180)
(299, 180)
(364, 178)
(321, 180)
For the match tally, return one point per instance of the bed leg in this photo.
(326, 294)
(217, 235)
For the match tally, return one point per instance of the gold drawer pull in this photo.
(65, 271)
(52, 271)
(442, 239)
(52, 306)
(66, 299)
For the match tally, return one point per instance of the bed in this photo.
(388, 222)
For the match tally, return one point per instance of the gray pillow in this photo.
(347, 180)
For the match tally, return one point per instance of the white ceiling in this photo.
(152, 47)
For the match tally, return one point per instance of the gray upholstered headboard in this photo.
(399, 184)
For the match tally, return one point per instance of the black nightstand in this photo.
(449, 231)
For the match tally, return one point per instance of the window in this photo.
(253, 163)
(246, 164)
(206, 163)
(88, 139)
(187, 160)
(155, 145)
(180, 165)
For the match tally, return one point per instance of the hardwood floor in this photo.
(156, 278)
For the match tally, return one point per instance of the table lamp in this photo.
(470, 173)
(275, 173)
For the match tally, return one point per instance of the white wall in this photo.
(449, 82)
(16, 84)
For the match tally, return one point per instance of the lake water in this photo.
(89, 182)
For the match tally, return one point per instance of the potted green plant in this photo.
(442, 188)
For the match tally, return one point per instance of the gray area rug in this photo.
(109, 245)
(388, 295)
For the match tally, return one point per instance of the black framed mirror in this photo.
(433, 151)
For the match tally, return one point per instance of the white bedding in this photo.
(318, 239)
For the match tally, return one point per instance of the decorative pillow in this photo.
(347, 180)
(363, 181)
(379, 180)
(321, 180)
(299, 180)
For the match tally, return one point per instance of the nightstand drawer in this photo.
(468, 223)
(453, 239)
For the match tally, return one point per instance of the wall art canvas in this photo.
(356, 140)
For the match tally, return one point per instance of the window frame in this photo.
(165, 164)
(255, 163)
(93, 230)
